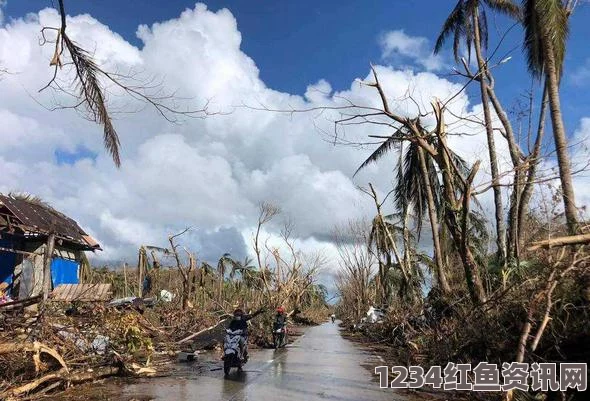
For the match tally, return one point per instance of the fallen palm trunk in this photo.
(561, 241)
(201, 332)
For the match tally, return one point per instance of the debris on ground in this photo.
(62, 345)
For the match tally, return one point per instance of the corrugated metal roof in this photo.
(82, 292)
(42, 219)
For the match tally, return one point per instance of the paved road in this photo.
(320, 365)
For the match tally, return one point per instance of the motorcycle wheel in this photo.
(227, 365)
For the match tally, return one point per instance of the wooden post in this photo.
(49, 246)
(140, 275)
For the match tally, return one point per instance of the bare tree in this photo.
(356, 264)
(267, 212)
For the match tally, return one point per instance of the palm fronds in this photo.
(92, 95)
(544, 20)
(392, 142)
(460, 24)
(36, 200)
(505, 7)
(410, 189)
(452, 25)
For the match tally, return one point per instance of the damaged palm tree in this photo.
(417, 188)
(456, 179)
(382, 239)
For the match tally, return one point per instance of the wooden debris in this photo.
(62, 376)
(36, 347)
(82, 292)
(21, 303)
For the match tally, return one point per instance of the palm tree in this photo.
(240, 268)
(546, 28)
(418, 187)
(457, 188)
(384, 246)
(205, 276)
(468, 22)
(222, 264)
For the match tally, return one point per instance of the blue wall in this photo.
(64, 271)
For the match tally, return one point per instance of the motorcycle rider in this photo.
(280, 318)
(240, 322)
(333, 317)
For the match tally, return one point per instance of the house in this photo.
(27, 227)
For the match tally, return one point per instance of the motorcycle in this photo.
(232, 352)
(279, 335)
(333, 318)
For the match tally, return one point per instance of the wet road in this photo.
(320, 365)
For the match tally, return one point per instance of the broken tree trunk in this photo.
(37, 348)
(561, 241)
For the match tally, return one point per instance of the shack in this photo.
(27, 227)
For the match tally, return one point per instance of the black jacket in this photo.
(280, 321)
(242, 323)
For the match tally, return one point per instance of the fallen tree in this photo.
(560, 241)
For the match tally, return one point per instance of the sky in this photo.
(211, 173)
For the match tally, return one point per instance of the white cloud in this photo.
(399, 47)
(580, 160)
(210, 173)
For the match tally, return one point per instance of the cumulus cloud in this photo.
(399, 47)
(208, 174)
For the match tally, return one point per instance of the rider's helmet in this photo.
(238, 312)
(280, 309)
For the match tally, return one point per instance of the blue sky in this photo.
(296, 43)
